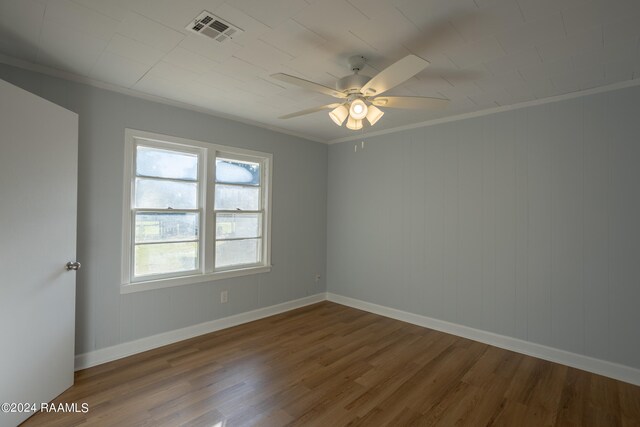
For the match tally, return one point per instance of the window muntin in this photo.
(193, 212)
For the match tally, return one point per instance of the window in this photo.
(239, 211)
(193, 212)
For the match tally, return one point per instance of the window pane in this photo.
(232, 197)
(166, 164)
(163, 227)
(159, 194)
(165, 258)
(237, 172)
(233, 226)
(237, 252)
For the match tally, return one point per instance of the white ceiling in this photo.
(483, 53)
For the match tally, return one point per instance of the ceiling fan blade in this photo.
(411, 102)
(309, 111)
(306, 84)
(394, 74)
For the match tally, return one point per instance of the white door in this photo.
(38, 196)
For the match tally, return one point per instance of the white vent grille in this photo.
(213, 27)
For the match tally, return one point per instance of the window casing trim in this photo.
(207, 153)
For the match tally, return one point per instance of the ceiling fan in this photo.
(361, 95)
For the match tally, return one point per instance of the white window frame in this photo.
(263, 204)
(207, 153)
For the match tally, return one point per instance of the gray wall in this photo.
(106, 318)
(523, 223)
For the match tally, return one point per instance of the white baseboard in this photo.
(103, 355)
(586, 363)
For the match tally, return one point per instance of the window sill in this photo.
(127, 288)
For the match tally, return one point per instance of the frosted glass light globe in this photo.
(358, 109)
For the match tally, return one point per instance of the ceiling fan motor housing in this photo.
(352, 83)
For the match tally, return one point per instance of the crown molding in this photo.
(42, 69)
(485, 112)
(49, 71)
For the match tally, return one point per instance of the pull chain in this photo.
(355, 147)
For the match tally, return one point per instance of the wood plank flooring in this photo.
(331, 365)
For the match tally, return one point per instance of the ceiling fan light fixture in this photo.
(358, 109)
(339, 114)
(354, 124)
(359, 94)
(374, 114)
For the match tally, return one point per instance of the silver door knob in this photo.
(73, 265)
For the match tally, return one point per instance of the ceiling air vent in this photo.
(213, 27)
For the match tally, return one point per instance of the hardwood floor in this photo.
(331, 365)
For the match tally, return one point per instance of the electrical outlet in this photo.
(318, 278)
(224, 297)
